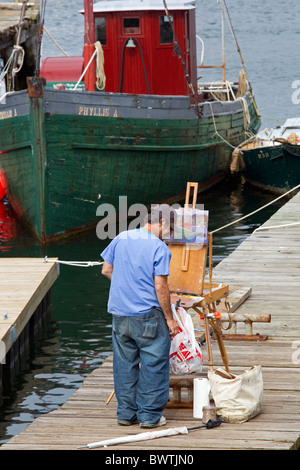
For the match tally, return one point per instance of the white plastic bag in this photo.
(185, 352)
(238, 398)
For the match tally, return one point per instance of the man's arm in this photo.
(107, 270)
(163, 296)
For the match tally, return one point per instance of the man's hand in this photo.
(163, 296)
(173, 327)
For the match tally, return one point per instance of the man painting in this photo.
(137, 263)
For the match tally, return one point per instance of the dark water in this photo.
(77, 337)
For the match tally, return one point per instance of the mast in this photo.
(89, 47)
(223, 45)
(89, 24)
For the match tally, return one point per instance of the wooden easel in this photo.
(188, 287)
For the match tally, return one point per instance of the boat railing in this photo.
(218, 91)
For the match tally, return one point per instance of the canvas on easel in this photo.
(189, 248)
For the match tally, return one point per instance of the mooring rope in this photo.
(246, 122)
(15, 52)
(259, 229)
(216, 130)
(55, 42)
(85, 70)
(80, 264)
(257, 210)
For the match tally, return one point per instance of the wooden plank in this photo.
(14, 6)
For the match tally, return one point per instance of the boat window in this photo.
(165, 28)
(131, 26)
(100, 26)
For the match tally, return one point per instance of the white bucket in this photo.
(201, 396)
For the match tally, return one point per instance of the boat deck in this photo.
(269, 262)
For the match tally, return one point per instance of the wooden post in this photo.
(37, 122)
(210, 246)
(223, 45)
(207, 338)
(217, 330)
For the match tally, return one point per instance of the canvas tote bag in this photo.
(238, 398)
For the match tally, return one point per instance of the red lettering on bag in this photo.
(183, 353)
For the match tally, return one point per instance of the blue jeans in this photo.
(141, 348)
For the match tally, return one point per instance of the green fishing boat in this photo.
(128, 118)
(270, 160)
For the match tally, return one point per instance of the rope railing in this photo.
(80, 264)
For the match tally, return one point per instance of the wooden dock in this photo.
(269, 262)
(25, 284)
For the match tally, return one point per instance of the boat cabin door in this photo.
(134, 56)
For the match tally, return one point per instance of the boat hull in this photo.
(65, 152)
(292, 150)
(275, 169)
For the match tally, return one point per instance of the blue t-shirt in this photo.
(137, 256)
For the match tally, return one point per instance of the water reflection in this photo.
(8, 228)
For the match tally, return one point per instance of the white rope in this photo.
(216, 130)
(275, 226)
(85, 70)
(5, 95)
(15, 50)
(80, 264)
(100, 75)
(257, 210)
(18, 49)
(55, 42)
(228, 84)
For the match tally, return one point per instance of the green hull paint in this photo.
(60, 167)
